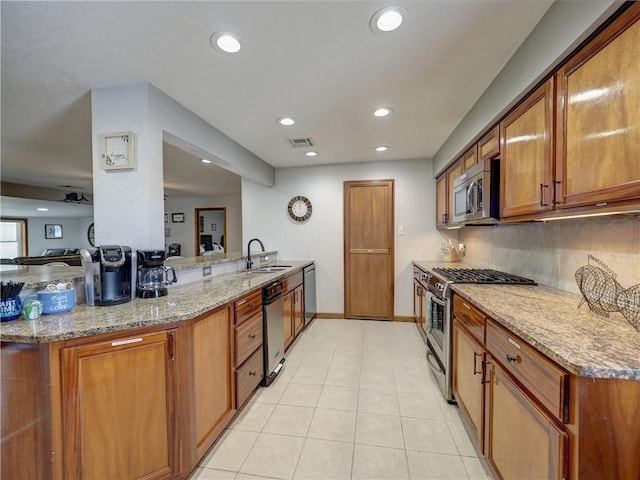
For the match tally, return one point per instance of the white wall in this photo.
(550, 253)
(321, 237)
(184, 233)
(74, 234)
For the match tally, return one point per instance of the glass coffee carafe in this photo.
(153, 275)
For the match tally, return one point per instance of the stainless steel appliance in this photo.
(438, 306)
(476, 194)
(309, 293)
(273, 328)
(153, 275)
(109, 272)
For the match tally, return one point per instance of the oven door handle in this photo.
(435, 299)
(472, 197)
(433, 363)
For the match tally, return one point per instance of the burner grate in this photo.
(482, 275)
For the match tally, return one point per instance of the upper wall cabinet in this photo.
(526, 155)
(444, 195)
(489, 145)
(598, 118)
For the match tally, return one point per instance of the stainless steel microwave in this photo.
(475, 195)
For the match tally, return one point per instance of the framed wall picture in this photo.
(52, 230)
(214, 227)
(117, 151)
(201, 224)
(177, 217)
(166, 218)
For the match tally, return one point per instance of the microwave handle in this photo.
(472, 196)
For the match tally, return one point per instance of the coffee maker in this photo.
(153, 275)
(109, 273)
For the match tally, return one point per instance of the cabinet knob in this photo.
(252, 374)
(511, 358)
(252, 336)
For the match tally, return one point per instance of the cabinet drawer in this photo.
(470, 317)
(247, 306)
(291, 282)
(248, 376)
(248, 337)
(543, 378)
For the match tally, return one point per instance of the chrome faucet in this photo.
(249, 261)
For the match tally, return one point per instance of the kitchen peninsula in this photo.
(162, 376)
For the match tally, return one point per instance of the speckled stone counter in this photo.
(183, 302)
(550, 320)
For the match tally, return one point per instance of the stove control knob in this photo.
(440, 286)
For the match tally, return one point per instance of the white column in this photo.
(128, 204)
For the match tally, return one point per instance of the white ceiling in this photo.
(317, 61)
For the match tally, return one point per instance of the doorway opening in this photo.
(210, 230)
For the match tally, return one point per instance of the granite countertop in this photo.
(550, 320)
(182, 303)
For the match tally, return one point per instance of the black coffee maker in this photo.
(109, 271)
(153, 275)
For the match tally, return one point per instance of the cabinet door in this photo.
(522, 441)
(489, 145)
(119, 415)
(442, 202)
(298, 311)
(419, 307)
(468, 387)
(598, 139)
(213, 401)
(287, 310)
(469, 158)
(526, 155)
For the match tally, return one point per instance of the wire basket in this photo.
(603, 294)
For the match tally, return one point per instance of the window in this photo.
(13, 239)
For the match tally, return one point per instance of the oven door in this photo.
(436, 325)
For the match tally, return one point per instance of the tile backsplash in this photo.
(550, 253)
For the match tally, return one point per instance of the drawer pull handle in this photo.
(125, 342)
(252, 305)
(514, 343)
(465, 316)
(241, 302)
(252, 336)
(252, 374)
(466, 306)
(511, 358)
(475, 370)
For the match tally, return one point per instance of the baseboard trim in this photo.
(341, 316)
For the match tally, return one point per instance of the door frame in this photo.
(196, 219)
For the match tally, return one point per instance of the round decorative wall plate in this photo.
(299, 208)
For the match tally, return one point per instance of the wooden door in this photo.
(522, 441)
(119, 414)
(526, 182)
(468, 388)
(369, 249)
(598, 139)
(213, 360)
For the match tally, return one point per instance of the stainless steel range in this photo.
(438, 314)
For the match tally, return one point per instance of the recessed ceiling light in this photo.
(42, 209)
(225, 42)
(204, 160)
(311, 154)
(382, 111)
(382, 148)
(286, 121)
(387, 19)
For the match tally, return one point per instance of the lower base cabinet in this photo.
(522, 440)
(119, 412)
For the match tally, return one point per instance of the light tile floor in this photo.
(355, 400)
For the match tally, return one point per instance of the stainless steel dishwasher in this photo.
(273, 344)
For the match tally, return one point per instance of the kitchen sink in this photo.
(269, 269)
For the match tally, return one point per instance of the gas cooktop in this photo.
(481, 275)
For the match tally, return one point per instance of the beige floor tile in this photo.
(289, 420)
(435, 466)
(377, 379)
(410, 383)
(462, 440)
(273, 456)
(476, 468)
(246, 476)
(287, 373)
(428, 436)
(310, 375)
(212, 474)
(375, 401)
(419, 405)
(339, 425)
(301, 395)
(270, 394)
(379, 430)
(253, 417)
(231, 451)
(340, 398)
(379, 463)
(343, 376)
(323, 459)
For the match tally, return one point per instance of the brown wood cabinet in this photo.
(469, 158)
(489, 145)
(419, 301)
(597, 134)
(444, 194)
(293, 307)
(213, 399)
(526, 181)
(248, 339)
(119, 412)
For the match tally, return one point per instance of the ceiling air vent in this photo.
(300, 142)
